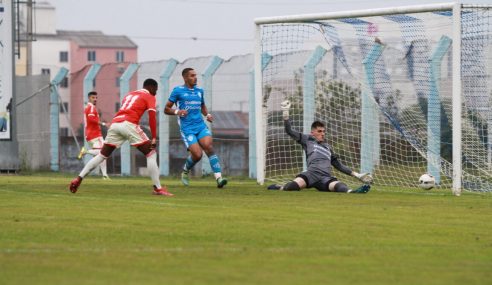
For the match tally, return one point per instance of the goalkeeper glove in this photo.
(285, 106)
(363, 177)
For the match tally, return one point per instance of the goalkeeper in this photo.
(320, 158)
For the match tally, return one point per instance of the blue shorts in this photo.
(190, 138)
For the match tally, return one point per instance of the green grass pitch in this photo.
(116, 232)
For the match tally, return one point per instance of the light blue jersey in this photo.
(191, 100)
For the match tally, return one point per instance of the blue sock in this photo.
(189, 164)
(214, 163)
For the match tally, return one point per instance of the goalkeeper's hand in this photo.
(285, 106)
(363, 177)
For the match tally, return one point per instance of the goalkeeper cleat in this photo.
(362, 189)
(185, 178)
(74, 184)
(105, 177)
(162, 191)
(221, 182)
(81, 153)
(274, 187)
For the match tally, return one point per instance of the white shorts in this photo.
(118, 133)
(96, 143)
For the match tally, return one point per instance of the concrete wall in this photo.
(29, 148)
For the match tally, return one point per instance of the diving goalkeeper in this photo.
(320, 158)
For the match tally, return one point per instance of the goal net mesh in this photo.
(383, 87)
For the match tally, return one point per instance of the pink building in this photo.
(114, 53)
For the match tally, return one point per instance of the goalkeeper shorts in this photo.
(320, 181)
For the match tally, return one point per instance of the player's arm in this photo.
(206, 114)
(340, 166)
(297, 136)
(169, 110)
(363, 177)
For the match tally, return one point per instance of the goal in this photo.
(403, 91)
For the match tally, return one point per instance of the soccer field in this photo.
(116, 232)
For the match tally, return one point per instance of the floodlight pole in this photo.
(87, 87)
(434, 110)
(55, 120)
(164, 91)
(125, 89)
(207, 76)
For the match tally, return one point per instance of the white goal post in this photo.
(403, 91)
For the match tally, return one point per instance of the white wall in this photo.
(45, 17)
(46, 54)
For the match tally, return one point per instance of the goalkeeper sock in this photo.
(91, 165)
(189, 164)
(341, 187)
(153, 169)
(291, 186)
(215, 165)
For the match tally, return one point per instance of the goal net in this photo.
(385, 84)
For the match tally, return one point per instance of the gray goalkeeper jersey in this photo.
(319, 155)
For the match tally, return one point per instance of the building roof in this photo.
(94, 39)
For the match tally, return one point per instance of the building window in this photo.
(63, 132)
(45, 71)
(64, 83)
(64, 107)
(64, 56)
(117, 106)
(120, 56)
(91, 55)
(117, 82)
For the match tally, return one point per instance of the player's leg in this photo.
(195, 154)
(153, 168)
(139, 139)
(206, 142)
(114, 139)
(96, 145)
(91, 165)
(337, 186)
(300, 182)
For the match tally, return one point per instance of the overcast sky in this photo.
(181, 29)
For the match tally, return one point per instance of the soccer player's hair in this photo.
(186, 70)
(149, 82)
(317, 124)
(91, 93)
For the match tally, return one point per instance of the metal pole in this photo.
(124, 89)
(207, 86)
(164, 91)
(55, 120)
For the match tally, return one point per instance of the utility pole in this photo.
(29, 38)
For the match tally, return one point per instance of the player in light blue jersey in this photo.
(190, 109)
